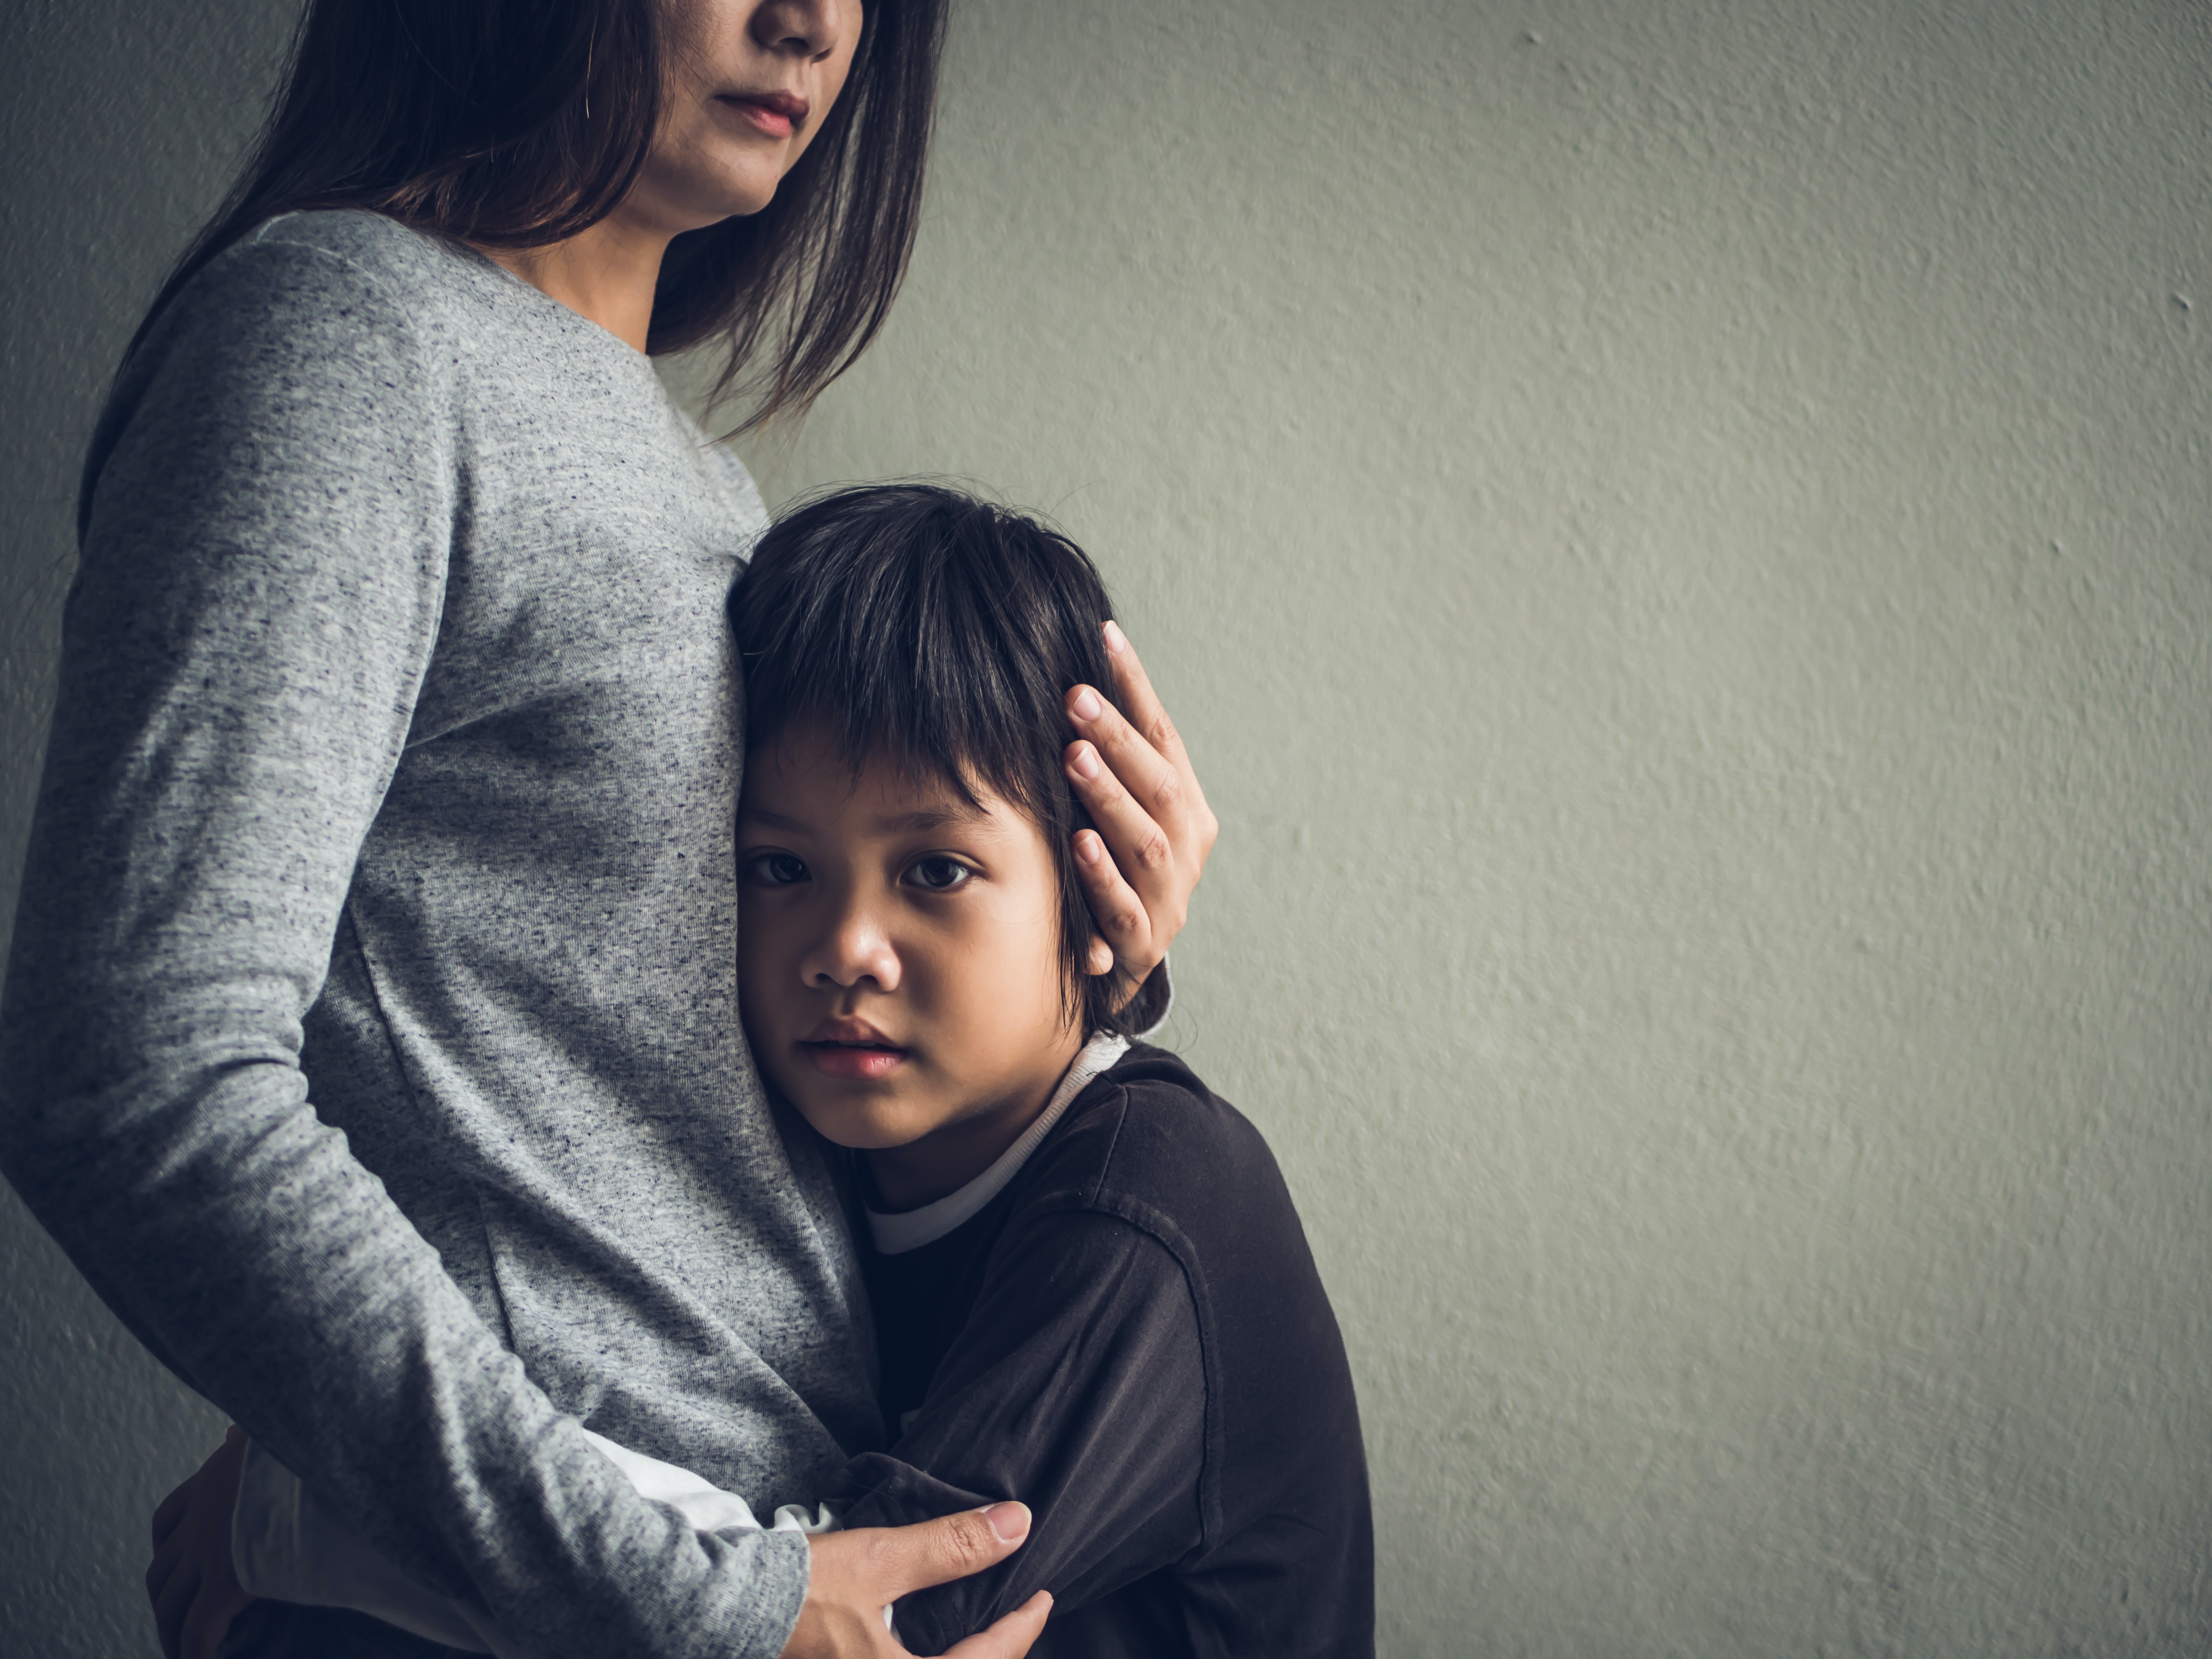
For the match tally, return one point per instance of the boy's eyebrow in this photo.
(773, 820)
(917, 823)
(929, 818)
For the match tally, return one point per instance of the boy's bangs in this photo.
(934, 630)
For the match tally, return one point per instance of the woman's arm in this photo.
(1077, 1384)
(285, 1543)
(245, 1526)
(258, 599)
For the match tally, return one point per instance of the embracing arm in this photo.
(1077, 1385)
(286, 1544)
(245, 1526)
(260, 587)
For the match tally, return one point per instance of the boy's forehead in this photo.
(804, 781)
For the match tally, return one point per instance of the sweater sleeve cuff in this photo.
(287, 1546)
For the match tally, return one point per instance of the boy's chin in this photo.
(860, 1126)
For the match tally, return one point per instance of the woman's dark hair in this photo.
(516, 123)
(922, 626)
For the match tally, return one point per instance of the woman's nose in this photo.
(814, 28)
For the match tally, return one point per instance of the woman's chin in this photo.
(707, 191)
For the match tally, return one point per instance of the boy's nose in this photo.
(854, 949)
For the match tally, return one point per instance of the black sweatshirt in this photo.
(1132, 1340)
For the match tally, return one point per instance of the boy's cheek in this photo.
(762, 1025)
(766, 974)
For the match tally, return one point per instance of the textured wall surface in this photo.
(121, 121)
(1680, 535)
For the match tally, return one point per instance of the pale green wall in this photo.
(1681, 537)
(119, 123)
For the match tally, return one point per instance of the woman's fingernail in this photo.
(1114, 641)
(1089, 847)
(1087, 705)
(1085, 764)
(1008, 1522)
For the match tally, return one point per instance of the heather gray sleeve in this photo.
(263, 570)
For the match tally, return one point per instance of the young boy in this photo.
(1091, 1290)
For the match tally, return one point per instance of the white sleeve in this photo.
(288, 1546)
(699, 1500)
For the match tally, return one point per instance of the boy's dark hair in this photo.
(940, 632)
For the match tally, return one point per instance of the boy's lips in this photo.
(852, 1049)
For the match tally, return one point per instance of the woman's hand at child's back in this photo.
(1155, 829)
(193, 1584)
(855, 1574)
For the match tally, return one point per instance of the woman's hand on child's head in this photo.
(193, 1583)
(1154, 831)
(855, 1574)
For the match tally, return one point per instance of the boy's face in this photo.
(898, 958)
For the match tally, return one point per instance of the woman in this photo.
(370, 1038)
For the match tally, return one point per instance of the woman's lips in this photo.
(774, 113)
(854, 1062)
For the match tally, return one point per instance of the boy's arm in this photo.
(1076, 1385)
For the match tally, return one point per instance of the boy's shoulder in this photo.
(1151, 1148)
(1150, 1142)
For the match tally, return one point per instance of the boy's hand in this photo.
(193, 1583)
(1155, 824)
(856, 1575)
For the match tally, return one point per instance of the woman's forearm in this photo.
(290, 1545)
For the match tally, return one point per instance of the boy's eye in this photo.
(938, 874)
(774, 869)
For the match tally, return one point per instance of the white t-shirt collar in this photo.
(909, 1230)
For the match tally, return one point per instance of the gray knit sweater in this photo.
(370, 1036)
